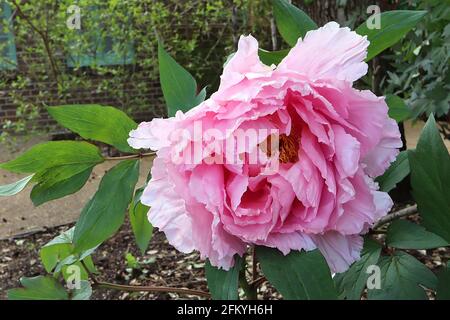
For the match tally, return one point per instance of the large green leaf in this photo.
(292, 23)
(404, 234)
(58, 182)
(397, 171)
(430, 176)
(352, 282)
(104, 213)
(272, 57)
(39, 288)
(443, 287)
(397, 108)
(142, 229)
(178, 85)
(83, 293)
(55, 255)
(53, 154)
(394, 25)
(56, 250)
(15, 187)
(96, 122)
(298, 275)
(402, 278)
(223, 285)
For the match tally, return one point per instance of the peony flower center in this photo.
(288, 149)
(287, 146)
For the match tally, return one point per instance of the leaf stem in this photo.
(395, 215)
(132, 156)
(122, 287)
(254, 265)
(114, 286)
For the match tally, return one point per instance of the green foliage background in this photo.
(200, 34)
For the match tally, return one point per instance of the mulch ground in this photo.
(162, 265)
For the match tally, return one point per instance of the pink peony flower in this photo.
(333, 140)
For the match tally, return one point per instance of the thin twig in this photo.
(257, 282)
(122, 287)
(254, 265)
(44, 36)
(395, 215)
(132, 156)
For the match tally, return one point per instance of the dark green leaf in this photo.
(397, 108)
(96, 122)
(53, 154)
(394, 25)
(351, 283)
(222, 284)
(104, 213)
(84, 293)
(142, 229)
(15, 187)
(298, 275)
(57, 254)
(292, 23)
(272, 57)
(402, 278)
(430, 176)
(39, 288)
(59, 182)
(178, 85)
(404, 234)
(443, 287)
(398, 170)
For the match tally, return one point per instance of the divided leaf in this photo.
(178, 85)
(402, 278)
(404, 234)
(443, 287)
(272, 57)
(430, 176)
(39, 288)
(292, 23)
(397, 171)
(298, 275)
(53, 154)
(95, 122)
(105, 212)
(15, 187)
(142, 229)
(222, 284)
(58, 182)
(351, 283)
(394, 25)
(397, 108)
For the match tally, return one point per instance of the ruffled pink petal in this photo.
(340, 251)
(245, 64)
(167, 209)
(379, 159)
(285, 242)
(152, 135)
(329, 52)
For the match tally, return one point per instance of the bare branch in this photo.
(395, 215)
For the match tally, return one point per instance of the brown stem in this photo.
(123, 287)
(132, 156)
(44, 37)
(257, 282)
(254, 265)
(395, 215)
